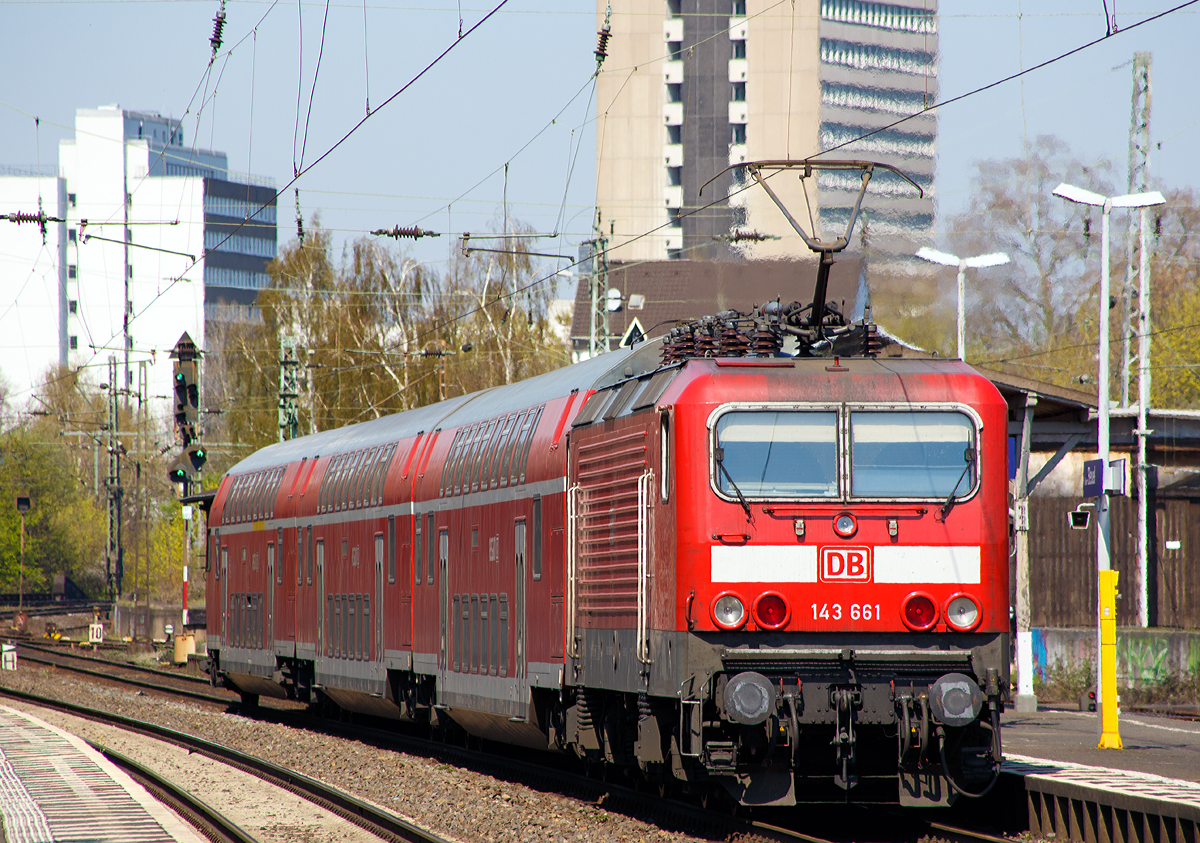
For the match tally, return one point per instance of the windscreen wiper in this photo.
(969, 456)
(719, 456)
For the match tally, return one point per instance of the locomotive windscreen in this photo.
(911, 454)
(774, 454)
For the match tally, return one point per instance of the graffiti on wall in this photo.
(1144, 658)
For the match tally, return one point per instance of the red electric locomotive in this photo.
(754, 555)
(783, 575)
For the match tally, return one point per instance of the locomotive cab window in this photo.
(912, 454)
(787, 453)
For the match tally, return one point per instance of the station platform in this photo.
(1158, 746)
(1147, 792)
(55, 788)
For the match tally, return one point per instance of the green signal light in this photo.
(200, 453)
(179, 376)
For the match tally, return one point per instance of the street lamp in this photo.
(1109, 737)
(934, 256)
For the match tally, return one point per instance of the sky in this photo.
(507, 113)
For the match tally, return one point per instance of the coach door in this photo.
(519, 600)
(443, 587)
(274, 580)
(321, 631)
(223, 573)
(379, 595)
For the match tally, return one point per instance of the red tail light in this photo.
(920, 612)
(771, 611)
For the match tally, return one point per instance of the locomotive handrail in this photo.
(643, 642)
(572, 534)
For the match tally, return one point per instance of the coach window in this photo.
(471, 464)
(419, 554)
(509, 447)
(498, 456)
(480, 470)
(461, 475)
(326, 485)
(335, 492)
(271, 561)
(430, 539)
(456, 613)
(494, 614)
(664, 446)
(527, 440)
(380, 473)
(331, 625)
(756, 453)
(504, 634)
(489, 457)
(448, 464)
(299, 556)
(365, 489)
(901, 454)
(362, 491)
(346, 495)
(454, 483)
(453, 480)
(354, 481)
(483, 634)
(320, 548)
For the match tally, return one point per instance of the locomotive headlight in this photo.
(748, 698)
(845, 525)
(728, 611)
(955, 699)
(962, 612)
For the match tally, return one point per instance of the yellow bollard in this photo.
(1110, 735)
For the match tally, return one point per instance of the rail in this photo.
(211, 822)
(364, 815)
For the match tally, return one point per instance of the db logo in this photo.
(845, 564)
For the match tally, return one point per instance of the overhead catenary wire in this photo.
(332, 148)
(313, 92)
(865, 135)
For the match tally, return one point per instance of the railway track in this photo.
(377, 822)
(551, 773)
(209, 821)
(109, 671)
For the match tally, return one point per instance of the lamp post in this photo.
(1106, 679)
(22, 507)
(945, 259)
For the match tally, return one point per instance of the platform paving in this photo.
(54, 788)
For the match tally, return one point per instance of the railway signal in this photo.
(185, 380)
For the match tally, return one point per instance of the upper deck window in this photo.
(777, 454)
(911, 454)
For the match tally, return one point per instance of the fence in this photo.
(1063, 563)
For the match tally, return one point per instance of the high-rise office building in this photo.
(691, 87)
(151, 226)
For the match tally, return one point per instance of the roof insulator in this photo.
(602, 38)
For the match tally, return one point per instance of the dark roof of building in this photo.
(679, 290)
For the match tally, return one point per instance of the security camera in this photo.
(1079, 518)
